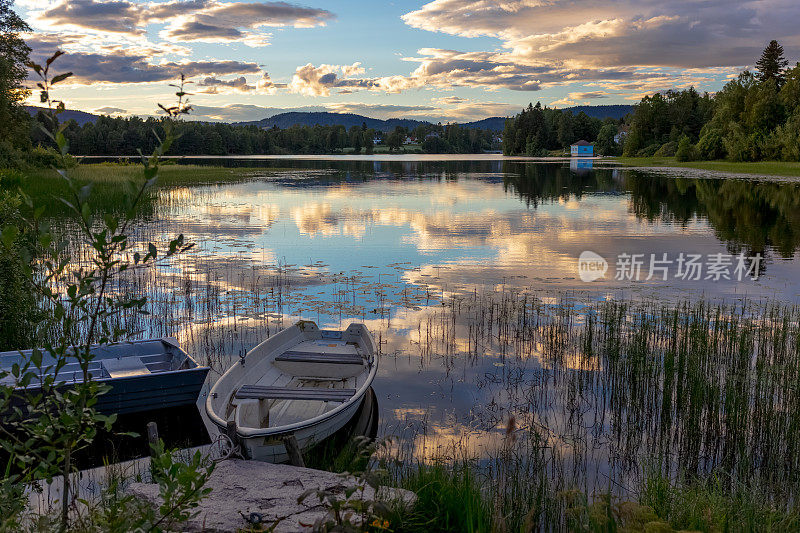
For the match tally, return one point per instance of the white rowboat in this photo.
(303, 382)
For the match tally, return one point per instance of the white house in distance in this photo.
(582, 149)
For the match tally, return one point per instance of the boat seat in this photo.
(125, 367)
(259, 392)
(311, 357)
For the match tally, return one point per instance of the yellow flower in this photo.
(380, 524)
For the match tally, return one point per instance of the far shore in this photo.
(92, 166)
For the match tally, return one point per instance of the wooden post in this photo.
(152, 435)
(152, 441)
(230, 431)
(263, 413)
(293, 449)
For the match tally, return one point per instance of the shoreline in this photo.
(717, 168)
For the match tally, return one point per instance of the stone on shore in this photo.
(241, 488)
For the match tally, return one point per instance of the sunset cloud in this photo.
(644, 33)
(135, 66)
(445, 69)
(497, 56)
(309, 80)
(187, 21)
(214, 85)
(111, 111)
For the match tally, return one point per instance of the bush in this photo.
(710, 145)
(789, 138)
(769, 146)
(650, 151)
(40, 157)
(686, 151)
(667, 149)
(20, 314)
(737, 145)
(10, 157)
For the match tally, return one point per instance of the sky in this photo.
(448, 60)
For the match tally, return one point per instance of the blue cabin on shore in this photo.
(582, 149)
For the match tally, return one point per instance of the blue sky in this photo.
(442, 59)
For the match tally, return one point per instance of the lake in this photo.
(455, 263)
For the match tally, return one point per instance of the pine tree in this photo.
(772, 64)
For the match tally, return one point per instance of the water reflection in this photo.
(431, 255)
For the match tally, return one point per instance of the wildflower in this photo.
(380, 524)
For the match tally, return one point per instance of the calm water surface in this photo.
(385, 242)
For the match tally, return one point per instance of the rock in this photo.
(241, 488)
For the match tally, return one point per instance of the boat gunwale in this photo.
(169, 341)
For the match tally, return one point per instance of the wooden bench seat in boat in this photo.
(329, 358)
(259, 392)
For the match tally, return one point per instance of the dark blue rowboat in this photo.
(143, 375)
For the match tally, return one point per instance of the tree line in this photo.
(538, 131)
(754, 117)
(123, 136)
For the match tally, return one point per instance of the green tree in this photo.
(13, 57)
(771, 64)
(685, 151)
(369, 143)
(395, 139)
(790, 92)
(605, 140)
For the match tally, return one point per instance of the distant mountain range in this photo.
(348, 120)
(81, 117)
(323, 118)
(616, 111)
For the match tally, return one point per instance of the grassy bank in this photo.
(453, 498)
(111, 181)
(168, 174)
(763, 168)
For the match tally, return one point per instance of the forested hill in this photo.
(348, 120)
(81, 117)
(602, 111)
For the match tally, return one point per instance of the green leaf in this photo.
(37, 68)
(55, 56)
(111, 222)
(60, 77)
(9, 235)
(85, 192)
(36, 358)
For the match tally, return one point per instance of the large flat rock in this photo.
(240, 488)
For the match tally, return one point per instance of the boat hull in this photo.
(140, 394)
(159, 391)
